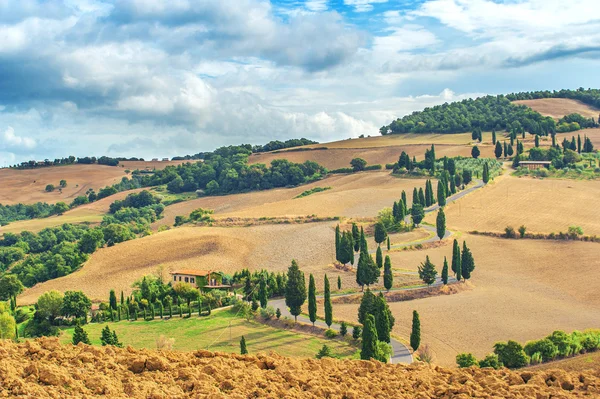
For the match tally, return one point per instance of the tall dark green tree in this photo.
(415, 197)
(402, 210)
(388, 276)
(122, 299)
(382, 321)
(486, 173)
(112, 300)
(440, 224)
(498, 150)
(475, 152)
(339, 283)
(494, 138)
(338, 243)
(441, 193)
(537, 140)
(80, 335)
(415, 335)
(467, 262)
(263, 296)
(312, 300)
(445, 272)
(456, 259)
(248, 289)
(388, 243)
(328, 307)
(243, 349)
(379, 258)
(428, 193)
(369, 339)
(380, 233)
(355, 237)
(421, 197)
(578, 143)
(346, 248)
(505, 148)
(363, 241)
(367, 306)
(404, 202)
(295, 290)
(427, 271)
(417, 213)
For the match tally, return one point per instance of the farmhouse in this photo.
(202, 279)
(535, 164)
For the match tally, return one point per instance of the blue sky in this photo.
(162, 78)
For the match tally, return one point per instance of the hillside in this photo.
(45, 369)
(559, 107)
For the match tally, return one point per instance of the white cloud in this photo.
(316, 5)
(363, 5)
(12, 142)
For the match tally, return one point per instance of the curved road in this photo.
(400, 352)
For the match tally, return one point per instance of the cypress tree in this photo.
(415, 335)
(404, 203)
(421, 197)
(505, 149)
(445, 272)
(262, 292)
(170, 310)
(248, 289)
(337, 244)
(428, 193)
(441, 194)
(486, 173)
(494, 136)
(295, 290)
(578, 143)
(537, 140)
(401, 210)
(355, 237)
(367, 306)
(327, 305)
(388, 243)
(379, 258)
(243, 349)
(467, 262)
(553, 139)
(417, 214)
(382, 322)
(363, 241)
(452, 186)
(415, 197)
(380, 233)
(395, 212)
(388, 276)
(498, 150)
(312, 300)
(362, 270)
(339, 283)
(122, 299)
(369, 339)
(440, 224)
(112, 300)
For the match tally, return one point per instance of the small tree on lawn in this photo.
(522, 231)
(467, 262)
(358, 164)
(415, 335)
(327, 305)
(343, 329)
(380, 233)
(356, 332)
(369, 339)
(427, 271)
(243, 349)
(440, 224)
(388, 276)
(445, 272)
(475, 152)
(312, 300)
(80, 335)
(295, 291)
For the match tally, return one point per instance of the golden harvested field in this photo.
(340, 157)
(391, 140)
(543, 206)
(522, 290)
(91, 213)
(579, 363)
(559, 107)
(356, 195)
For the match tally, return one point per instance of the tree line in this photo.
(70, 160)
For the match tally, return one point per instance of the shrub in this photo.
(356, 332)
(509, 232)
(590, 342)
(466, 360)
(267, 313)
(325, 351)
(50, 188)
(562, 342)
(373, 167)
(522, 231)
(536, 358)
(343, 329)
(425, 354)
(278, 313)
(545, 347)
(490, 360)
(575, 232)
(330, 333)
(384, 352)
(511, 354)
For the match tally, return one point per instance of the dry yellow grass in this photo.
(543, 206)
(355, 195)
(522, 290)
(559, 107)
(398, 140)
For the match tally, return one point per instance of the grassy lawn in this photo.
(198, 333)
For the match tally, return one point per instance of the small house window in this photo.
(192, 280)
(179, 278)
(174, 278)
(186, 279)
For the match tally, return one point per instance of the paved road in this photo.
(400, 353)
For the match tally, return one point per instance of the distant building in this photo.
(203, 279)
(531, 165)
(165, 159)
(154, 159)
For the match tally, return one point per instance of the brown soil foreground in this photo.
(45, 369)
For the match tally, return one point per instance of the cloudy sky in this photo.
(162, 78)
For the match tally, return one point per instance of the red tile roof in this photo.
(192, 272)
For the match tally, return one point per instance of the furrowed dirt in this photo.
(45, 369)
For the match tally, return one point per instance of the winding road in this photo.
(400, 352)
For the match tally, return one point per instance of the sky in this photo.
(149, 78)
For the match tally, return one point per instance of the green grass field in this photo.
(198, 333)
